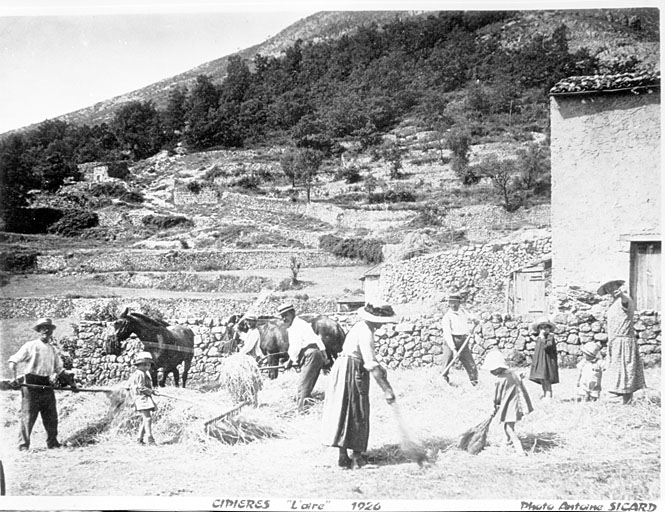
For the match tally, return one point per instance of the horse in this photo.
(168, 345)
(275, 340)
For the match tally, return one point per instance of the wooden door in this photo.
(645, 274)
(529, 293)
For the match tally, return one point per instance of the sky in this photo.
(70, 59)
(59, 56)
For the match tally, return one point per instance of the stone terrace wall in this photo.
(169, 307)
(480, 269)
(184, 260)
(414, 342)
(331, 214)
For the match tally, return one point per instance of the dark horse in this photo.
(169, 346)
(275, 340)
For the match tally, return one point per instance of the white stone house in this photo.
(606, 183)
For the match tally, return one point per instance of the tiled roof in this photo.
(607, 83)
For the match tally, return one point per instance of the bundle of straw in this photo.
(474, 439)
(240, 376)
(241, 430)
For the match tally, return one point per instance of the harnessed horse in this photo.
(168, 345)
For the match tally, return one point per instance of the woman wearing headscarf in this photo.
(346, 409)
(625, 372)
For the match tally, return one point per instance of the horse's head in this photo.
(112, 344)
(228, 335)
(119, 330)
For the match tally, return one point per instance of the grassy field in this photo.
(599, 450)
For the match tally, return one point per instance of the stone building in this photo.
(606, 183)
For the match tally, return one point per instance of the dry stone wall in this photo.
(481, 270)
(177, 307)
(184, 260)
(413, 342)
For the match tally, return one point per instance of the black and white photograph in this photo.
(356, 256)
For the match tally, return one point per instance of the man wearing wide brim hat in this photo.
(456, 328)
(42, 365)
(625, 370)
(251, 340)
(306, 350)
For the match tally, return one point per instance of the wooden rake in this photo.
(229, 413)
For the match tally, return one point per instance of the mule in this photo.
(168, 345)
(275, 340)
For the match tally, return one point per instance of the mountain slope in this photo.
(608, 33)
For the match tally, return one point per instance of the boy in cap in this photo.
(306, 349)
(42, 366)
(140, 387)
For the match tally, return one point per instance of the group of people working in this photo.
(346, 409)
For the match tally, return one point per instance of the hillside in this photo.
(405, 157)
(608, 33)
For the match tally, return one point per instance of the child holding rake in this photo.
(510, 397)
(140, 387)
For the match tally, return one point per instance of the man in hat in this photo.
(42, 366)
(306, 350)
(625, 371)
(456, 328)
(252, 338)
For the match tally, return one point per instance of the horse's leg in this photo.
(176, 377)
(185, 372)
(153, 376)
(273, 360)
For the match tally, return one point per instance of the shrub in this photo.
(117, 190)
(369, 250)
(194, 187)
(73, 222)
(393, 196)
(160, 222)
(18, 261)
(132, 196)
(31, 220)
(247, 182)
(349, 174)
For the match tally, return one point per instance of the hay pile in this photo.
(240, 376)
(179, 418)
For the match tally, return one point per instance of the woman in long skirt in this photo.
(346, 408)
(625, 371)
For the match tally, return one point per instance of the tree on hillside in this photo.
(459, 142)
(392, 154)
(16, 177)
(201, 112)
(533, 164)
(288, 163)
(236, 85)
(137, 127)
(302, 164)
(173, 116)
(308, 163)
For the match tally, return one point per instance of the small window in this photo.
(645, 274)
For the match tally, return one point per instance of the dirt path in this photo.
(317, 282)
